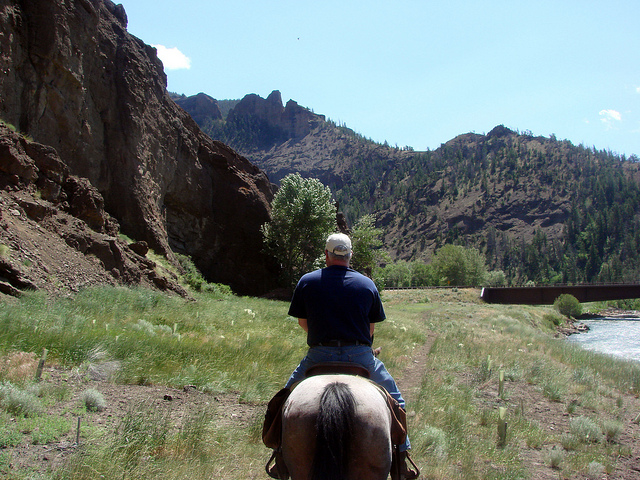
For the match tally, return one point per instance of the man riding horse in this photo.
(338, 308)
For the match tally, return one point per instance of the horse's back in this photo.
(369, 455)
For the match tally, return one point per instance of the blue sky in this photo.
(415, 72)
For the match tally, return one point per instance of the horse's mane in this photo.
(334, 429)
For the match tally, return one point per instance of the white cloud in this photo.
(638, 89)
(609, 116)
(172, 58)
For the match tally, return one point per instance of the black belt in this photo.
(339, 343)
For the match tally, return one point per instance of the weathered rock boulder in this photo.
(73, 78)
(33, 167)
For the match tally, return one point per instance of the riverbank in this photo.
(616, 335)
(611, 313)
(575, 326)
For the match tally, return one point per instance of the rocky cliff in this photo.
(54, 232)
(201, 107)
(292, 120)
(73, 78)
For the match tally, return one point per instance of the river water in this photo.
(615, 336)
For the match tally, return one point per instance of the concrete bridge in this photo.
(548, 294)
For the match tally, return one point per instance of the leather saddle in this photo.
(337, 368)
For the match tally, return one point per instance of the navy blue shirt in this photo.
(338, 303)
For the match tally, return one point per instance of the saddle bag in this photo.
(272, 426)
(398, 419)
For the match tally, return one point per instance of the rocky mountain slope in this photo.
(516, 197)
(75, 80)
(55, 235)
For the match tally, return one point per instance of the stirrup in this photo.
(278, 470)
(410, 474)
(272, 471)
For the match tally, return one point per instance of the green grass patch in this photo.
(223, 343)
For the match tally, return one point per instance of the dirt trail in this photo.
(411, 378)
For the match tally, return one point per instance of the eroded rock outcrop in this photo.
(54, 232)
(292, 120)
(201, 107)
(74, 79)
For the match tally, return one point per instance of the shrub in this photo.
(93, 400)
(19, 402)
(612, 429)
(553, 319)
(571, 406)
(552, 390)
(555, 458)
(192, 275)
(585, 430)
(595, 470)
(568, 305)
(495, 278)
(219, 289)
(433, 441)
(534, 435)
(569, 442)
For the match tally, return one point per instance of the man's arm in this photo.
(303, 323)
(372, 327)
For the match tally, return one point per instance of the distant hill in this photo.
(539, 208)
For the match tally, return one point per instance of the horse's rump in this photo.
(336, 426)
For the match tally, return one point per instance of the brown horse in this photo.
(336, 427)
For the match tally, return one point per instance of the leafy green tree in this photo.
(302, 216)
(394, 275)
(449, 265)
(496, 278)
(457, 265)
(366, 245)
(421, 275)
(476, 266)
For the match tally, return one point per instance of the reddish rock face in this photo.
(54, 232)
(72, 78)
